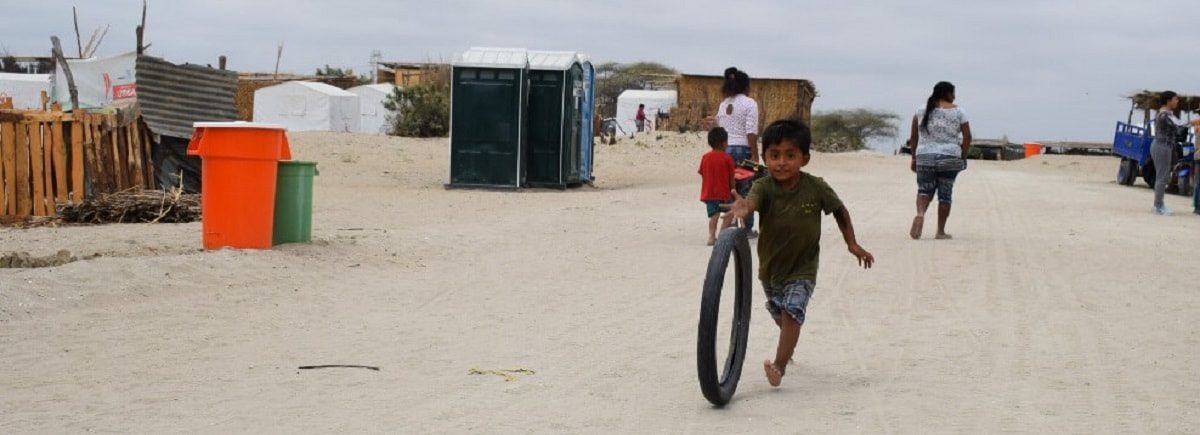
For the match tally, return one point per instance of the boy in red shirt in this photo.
(717, 188)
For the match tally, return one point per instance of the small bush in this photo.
(419, 111)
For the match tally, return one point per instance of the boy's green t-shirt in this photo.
(789, 245)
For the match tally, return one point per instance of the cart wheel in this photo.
(718, 390)
(1126, 172)
(1184, 183)
(1148, 173)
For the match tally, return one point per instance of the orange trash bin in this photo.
(1032, 149)
(238, 162)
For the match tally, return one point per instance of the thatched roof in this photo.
(1149, 100)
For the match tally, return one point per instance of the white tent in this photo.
(370, 101)
(307, 106)
(655, 101)
(25, 89)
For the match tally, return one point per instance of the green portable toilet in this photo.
(487, 118)
(556, 99)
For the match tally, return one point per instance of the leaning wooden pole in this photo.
(78, 40)
(62, 62)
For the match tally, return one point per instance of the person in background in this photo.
(738, 115)
(640, 118)
(940, 139)
(1167, 127)
(716, 185)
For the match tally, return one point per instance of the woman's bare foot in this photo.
(774, 375)
(943, 236)
(917, 224)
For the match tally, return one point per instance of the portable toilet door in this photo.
(586, 139)
(555, 108)
(487, 118)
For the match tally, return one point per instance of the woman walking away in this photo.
(941, 137)
(1167, 127)
(738, 115)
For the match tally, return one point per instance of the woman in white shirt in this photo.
(940, 138)
(738, 115)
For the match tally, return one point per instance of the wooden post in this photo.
(78, 40)
(37, 169)
(45, 130)
(141, 30)
(3, 179)
(118, 175)
(77, 133)
(62, 62)
(58, 157)
(8, 139)
(24, 194)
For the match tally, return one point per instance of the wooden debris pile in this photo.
(141, 206)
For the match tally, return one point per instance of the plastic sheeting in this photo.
(100, 81)
(25, 89)
(373, 117)
(655, 101)
(307, 106)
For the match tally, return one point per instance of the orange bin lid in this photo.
(240, 140)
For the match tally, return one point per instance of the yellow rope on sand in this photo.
(509, 375)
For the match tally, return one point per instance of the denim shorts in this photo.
(792, 297)
(714, 207)
(936, 174)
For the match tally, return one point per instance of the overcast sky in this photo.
(1031, 70)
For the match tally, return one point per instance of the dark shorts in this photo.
(936, 175)
(714, 207)
(792, 297)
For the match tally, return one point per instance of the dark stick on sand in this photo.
(331, 366)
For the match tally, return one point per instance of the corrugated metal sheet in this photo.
(483, 57)
(173, 97)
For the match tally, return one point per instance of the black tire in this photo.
(1184, 182)
(1148, 173)
(1127, 172)
(717, 387)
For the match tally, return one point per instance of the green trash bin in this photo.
(293, 202)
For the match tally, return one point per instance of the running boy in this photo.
(716, 186)
(790, 202)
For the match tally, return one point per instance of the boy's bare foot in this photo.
(774, 375)
(712, 242)
(943, 236)
(915, 231)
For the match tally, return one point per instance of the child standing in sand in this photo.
(790, 203)
(717, 185)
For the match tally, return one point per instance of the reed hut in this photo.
(699, 96)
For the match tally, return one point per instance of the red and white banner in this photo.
(100, 82)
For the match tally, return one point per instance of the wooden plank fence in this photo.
(50, 157)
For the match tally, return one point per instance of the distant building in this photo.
(699, 96)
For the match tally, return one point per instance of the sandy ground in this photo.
(1062, 305)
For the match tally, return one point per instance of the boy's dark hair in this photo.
(641, 106)
(717, 136)
(787, 130)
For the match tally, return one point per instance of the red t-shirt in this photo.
(716, 168)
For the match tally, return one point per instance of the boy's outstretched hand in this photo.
(740, 207)
(865, 259)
